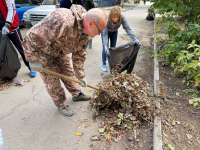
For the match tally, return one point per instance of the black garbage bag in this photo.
(9, 62)
(125, 54)
(151, 15)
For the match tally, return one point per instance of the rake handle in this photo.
(67, 78)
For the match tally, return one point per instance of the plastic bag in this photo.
(150, 15)
(9, 62)
(125, 54)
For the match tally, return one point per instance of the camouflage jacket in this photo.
(59, 32)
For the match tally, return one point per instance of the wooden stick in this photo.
(67, 78)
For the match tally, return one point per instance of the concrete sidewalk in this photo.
(29, 118)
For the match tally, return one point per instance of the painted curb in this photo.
(157, 134)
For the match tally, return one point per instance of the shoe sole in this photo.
(82, 100)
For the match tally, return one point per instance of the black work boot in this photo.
(81, 97)
(66, 111)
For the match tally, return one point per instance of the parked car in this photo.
(20, 11)
(33, 16)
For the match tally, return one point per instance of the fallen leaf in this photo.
(118, 122)
(164, 134)
(178, 122)
(130, 126)
(192, 101)
(95, 138)
(78, 134)
(101, 130)
(87, 90)
(171, 147)
(109, 136)
(173, 123)
(161, 93)
(120, 115)
(90, 125)
(26, 80)
(102, 74)
(189, 136)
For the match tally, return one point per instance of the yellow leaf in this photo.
(19, 87)
(173, 123)
(90, 125)
(178, 122)
(26, 80)
(78, 133)
(192, 101)
(79, 127)
(87, 90)
(164, 134)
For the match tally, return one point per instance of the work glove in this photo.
(138, 42)
(36, 66)
(84, 84)
(107, 51)
(5, 29)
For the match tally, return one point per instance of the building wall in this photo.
(107, 2)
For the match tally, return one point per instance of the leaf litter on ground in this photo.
(123, 102)
(4, 83)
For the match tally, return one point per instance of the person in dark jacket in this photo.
(68, 3)
(89, 4)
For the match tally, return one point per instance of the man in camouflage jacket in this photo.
(49, 43)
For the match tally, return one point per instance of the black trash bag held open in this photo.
(9, 62)
(125, 54)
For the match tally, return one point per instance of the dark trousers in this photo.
(113, 40)
(16, 39)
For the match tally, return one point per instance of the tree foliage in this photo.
(182, 21)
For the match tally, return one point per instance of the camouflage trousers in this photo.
(62, 65)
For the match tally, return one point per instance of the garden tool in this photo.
(67, 78)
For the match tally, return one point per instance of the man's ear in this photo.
(91, 22)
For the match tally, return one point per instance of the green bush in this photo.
(182, 47)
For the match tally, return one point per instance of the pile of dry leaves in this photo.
(123, 101)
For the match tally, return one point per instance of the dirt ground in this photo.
(180, 120)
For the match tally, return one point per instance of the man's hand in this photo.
(138, 42)
(36, 66)
(5, 29)
(84, 84)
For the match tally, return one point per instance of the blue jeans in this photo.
(113, 41)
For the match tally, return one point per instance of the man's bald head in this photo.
(96, 14)
(94, 22)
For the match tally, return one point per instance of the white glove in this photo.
(84, 84)
(107, 51)
(36, 66)
(5, 29)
